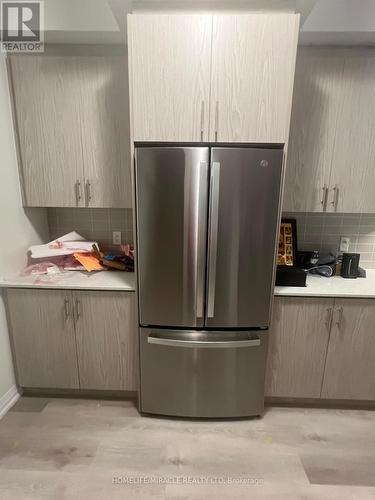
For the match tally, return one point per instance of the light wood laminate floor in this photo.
(86, 449)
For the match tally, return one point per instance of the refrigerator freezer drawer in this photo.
(202, 374)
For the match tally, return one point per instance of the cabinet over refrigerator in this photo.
(207, 220)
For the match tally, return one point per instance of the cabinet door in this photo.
(298, 346)
(253, 60)
(47, 108)
(349, 372)
(105, 134)
(106, 340)
(43, 338)
(315, 110)
(353, 163)
(170, 59)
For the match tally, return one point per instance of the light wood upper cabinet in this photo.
(225, 78)
(72, 116)
(298, 346)
(106, 134)
(43, 335)
(47, 99)
(353, 166)
(315, 115)
(350, 372)
(170, 58)
(253, 60)
(106, 340)
(332, 137)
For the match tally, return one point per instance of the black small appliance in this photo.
(350, 265)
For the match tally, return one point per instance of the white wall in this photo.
(18, 228)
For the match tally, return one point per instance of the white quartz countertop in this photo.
(75, 280)
(318, 286)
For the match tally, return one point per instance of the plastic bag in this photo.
(41, 268)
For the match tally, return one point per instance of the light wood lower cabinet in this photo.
(298, 346)
(350, 366)
(322, 348)
(106, 347)
(43, 338)
(71, 340)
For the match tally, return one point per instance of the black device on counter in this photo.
(290, 276)
(323, 264)
(350, 265)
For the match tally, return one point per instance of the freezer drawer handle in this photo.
(255, 342)
(214, 216)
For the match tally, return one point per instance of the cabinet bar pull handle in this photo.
(216, 119)
(78, 309)
(202, 121)
(329, 318)
(66, 309)
(339, 319)
(88, 191)
(335, 200)
(78, 191)
(324, 200)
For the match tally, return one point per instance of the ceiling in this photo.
(340, 22)
(334, 22)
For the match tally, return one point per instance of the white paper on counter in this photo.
(71, 243)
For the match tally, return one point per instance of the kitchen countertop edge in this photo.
(116, 281)
(318, 286)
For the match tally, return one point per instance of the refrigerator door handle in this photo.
(200, 267)
(214, 219)
(170, 342)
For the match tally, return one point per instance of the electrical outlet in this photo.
(116, 237)
(344, 244)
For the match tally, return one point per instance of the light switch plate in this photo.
(116, 237)
(344, 244)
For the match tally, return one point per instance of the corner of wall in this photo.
(19, 227)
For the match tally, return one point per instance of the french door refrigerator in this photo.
(207, 219)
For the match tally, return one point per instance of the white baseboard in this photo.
(8, 400)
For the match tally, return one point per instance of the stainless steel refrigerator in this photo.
(207, 219)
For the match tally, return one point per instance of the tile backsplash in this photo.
(315, 231)
(322, 232)
(93, 223)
